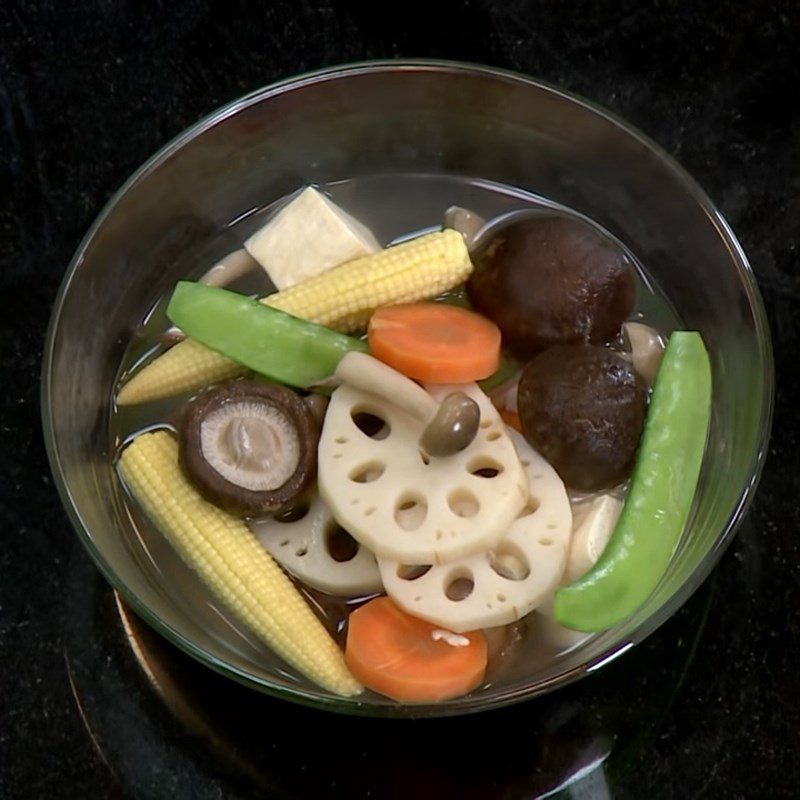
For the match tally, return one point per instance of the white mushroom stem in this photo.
(594, 523)
(647, 348)
(450, 425)
(367, 374)
(466, 222)
(234, 266)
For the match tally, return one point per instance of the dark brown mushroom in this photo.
(249, 447)
(549, 279)
(583, 408)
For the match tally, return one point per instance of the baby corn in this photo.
(342, 298)
(231, 562)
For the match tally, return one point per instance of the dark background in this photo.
(89, 90)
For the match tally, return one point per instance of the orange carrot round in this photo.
(511, 418)
(399, 656)
(435, 342)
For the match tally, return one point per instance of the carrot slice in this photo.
(396, 655)
(511, 418)
(434, 342)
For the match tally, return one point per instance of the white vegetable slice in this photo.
(594, 524)
(302, 547)
(403, 504)
(505, 583)
(308, 236)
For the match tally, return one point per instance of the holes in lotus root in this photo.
(410, 572)
(366, 473)
(426, 459)
(458, 585)
(292, 513)
(370, 424)
(463, 503)
(509, 562)
(483, 467)
(410, 511)
(339, 543)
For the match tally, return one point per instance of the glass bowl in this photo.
(395, 117)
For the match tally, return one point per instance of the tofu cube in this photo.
(308, 236)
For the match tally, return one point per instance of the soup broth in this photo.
(395, 208)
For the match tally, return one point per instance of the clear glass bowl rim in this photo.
(480, 701)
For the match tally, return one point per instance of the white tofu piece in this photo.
(308, 236)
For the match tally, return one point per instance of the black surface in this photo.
(88, 90)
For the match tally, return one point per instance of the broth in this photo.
(395, 208)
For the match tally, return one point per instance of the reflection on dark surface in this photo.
(168, 726)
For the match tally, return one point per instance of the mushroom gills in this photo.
(251, 444)
(249, 447)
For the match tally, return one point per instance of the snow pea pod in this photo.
(659, 498)
(270, 342)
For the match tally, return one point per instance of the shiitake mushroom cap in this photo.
(549, 279)
(289, 415)
(583, 408)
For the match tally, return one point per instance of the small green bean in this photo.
(276, 345)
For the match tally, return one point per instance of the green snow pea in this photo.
(659, 498)
(272, 343)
